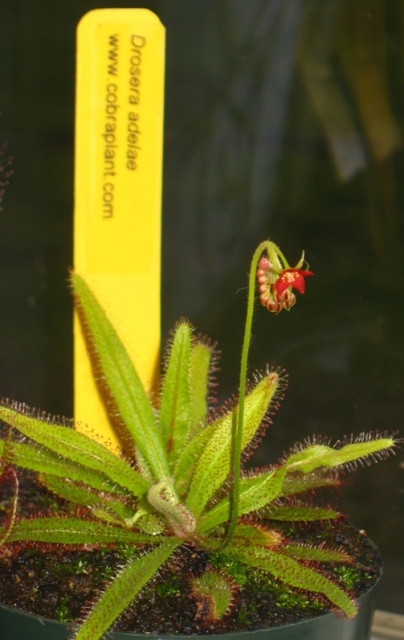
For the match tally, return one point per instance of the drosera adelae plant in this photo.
(180, 483)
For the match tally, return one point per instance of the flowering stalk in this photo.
(275, 281)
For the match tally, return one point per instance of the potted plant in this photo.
(189, 525)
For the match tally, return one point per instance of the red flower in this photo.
(275, 284)
(290, 279)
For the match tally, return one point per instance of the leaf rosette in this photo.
(180, 482)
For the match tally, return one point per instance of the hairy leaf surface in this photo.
(77, 447)
(318, 455)
(199, 370)
(317, 554)
(296, 483)
(297, 575)
(299, 513)
(75, 531)
(38, 458)
(213, 592)
(125, 385)
(103, 506)
(214, 463)
(255, 493)
(124, 588)
(189, 459)
(175, 399)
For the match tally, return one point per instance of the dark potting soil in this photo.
(57, 583)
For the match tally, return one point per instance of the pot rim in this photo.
(365, 601)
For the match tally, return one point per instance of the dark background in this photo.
(284, 119)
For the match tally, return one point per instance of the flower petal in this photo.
(291, 278)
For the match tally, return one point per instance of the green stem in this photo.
(238, 423)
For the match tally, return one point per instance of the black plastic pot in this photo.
(19, 625)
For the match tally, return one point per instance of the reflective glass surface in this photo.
(284, 119)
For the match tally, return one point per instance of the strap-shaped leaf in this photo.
(199, 434)
(297, 575)
(247, 535)
(123, 381)
(214, 464)
(319, 455)
(37, 458)
(300, 514)
(297, 483)
(123, 589)
(175, 399)
(106, 507)
(75, 531)
(255, 493)
(189, 458)
(317, 554)
(77, 447)
(199, 371)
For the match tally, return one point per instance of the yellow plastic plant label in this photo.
(118, 177)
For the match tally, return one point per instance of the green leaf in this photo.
(37, 458)
(213, 592)
(146, 521)
(123, 381)
(103, 506)
(246, 535)
(199, 371)
(297, 575)
(214, 463)
(175, 399)
(316, 554)
(318, 455)
(255, 493)
(75, 531)
(199, 433)
(189, 459)
(299, 514)
(123, 589)
(297, 483)
(77, 447)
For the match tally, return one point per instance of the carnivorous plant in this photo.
(180, 482)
